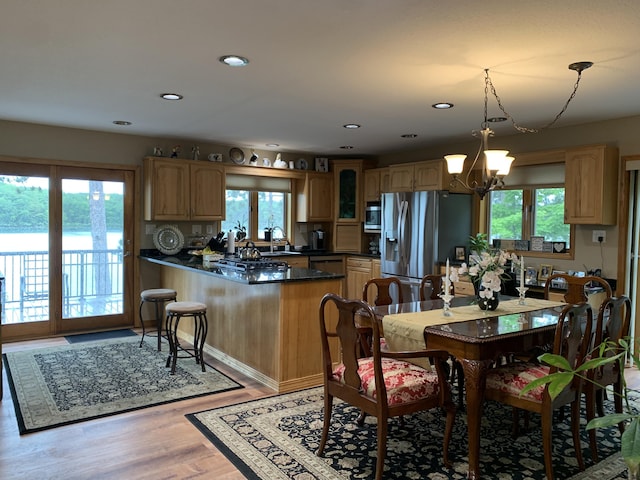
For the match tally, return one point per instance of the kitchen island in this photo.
(262, 322)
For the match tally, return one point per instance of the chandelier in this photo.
(497, 163)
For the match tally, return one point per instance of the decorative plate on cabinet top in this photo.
(168, 239)
(236, 155)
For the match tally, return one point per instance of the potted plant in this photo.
(630, 439)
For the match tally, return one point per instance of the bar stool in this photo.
(177, 310)
(156, 296)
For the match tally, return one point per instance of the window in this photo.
(518, 214)
(257, 203)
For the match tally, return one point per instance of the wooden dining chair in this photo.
(504, 384)
(388, 290)
(575, 292)
(613, 324)
(433, 284)
(384, 385)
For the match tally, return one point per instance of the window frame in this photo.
(528, 206)
(253, 232)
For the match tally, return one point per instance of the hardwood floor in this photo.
(153, 443)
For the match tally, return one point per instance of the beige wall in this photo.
(29, 140)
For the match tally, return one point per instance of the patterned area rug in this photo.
(72, 383)
(276, 438)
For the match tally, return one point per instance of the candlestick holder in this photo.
(522, 291)
(446, 308)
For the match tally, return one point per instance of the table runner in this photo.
(405, 331)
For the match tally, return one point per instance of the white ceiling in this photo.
(315, 65)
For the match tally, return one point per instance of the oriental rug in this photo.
(66, 384)
(277, 437)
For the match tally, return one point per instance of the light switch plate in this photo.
(149, 229)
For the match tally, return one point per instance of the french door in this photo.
(66, 249)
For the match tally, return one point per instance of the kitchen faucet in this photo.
(273, 231)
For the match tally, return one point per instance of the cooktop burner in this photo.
(249, 265)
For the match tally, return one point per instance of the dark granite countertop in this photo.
(192, 262)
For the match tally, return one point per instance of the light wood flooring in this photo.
(153, 443)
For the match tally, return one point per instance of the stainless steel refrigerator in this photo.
(420, 230)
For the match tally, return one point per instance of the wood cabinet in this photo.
(314, 198)
(591, 178)
(422, 176)
(376, 182)
(183, 190)
(347, 176)
(358, 273)
(376, 268)
(298, 261)
(347, 238)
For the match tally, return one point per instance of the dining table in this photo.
(478, 339)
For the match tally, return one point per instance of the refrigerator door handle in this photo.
(402, 221)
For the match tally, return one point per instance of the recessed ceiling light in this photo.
(272, 145)
(171, 96)
(442, 105)
(346, 147)
(497, 119)
(121, 122)
(351, 125)
(234, 60)
(409, 135)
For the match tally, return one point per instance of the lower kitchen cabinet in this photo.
(359, 272)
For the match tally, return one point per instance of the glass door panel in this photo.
(24, 249)
(92, 248)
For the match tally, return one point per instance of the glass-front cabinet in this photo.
(348, 191)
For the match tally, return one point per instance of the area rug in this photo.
(277, 437)
(60, 385)
(91, 337)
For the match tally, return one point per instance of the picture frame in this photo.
(544, 271)
(322, 164)
(461, 253)
(537, 244)
(531, 276)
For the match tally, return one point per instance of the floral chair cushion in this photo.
(405, 382)
(514, 377)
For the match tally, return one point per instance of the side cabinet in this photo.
(591, 179)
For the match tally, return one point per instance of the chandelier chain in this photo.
(520, 128)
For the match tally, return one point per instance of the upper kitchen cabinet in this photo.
(413, 177)
(591, 179)
(347, 175)
(376, 181)
(183, 190)
(314, 198)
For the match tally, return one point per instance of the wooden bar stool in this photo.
(177, 310)
(156, 296)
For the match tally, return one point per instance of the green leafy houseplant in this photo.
(630, 439)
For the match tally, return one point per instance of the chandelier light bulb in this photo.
(455, 163)
(496, 159)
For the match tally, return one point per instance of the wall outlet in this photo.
(209, 229)
(149, 229)
(596, 235)
(196, 229)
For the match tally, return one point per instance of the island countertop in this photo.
(194, 263)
